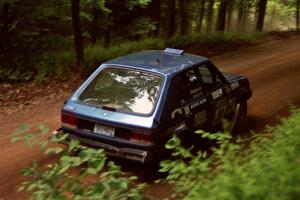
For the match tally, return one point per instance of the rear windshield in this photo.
(123, 90)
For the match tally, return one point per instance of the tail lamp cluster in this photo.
(71, 121)
(144, 138)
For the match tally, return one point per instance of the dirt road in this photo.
(274, 72)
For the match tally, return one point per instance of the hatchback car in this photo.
(131, 106)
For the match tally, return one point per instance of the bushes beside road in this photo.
(268, 168)
(261, 166)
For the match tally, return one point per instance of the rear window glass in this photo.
(123, 90)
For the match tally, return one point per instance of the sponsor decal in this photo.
(187, 108)
(216, 94)
(200, 118)
(178, 111)
(234, 85)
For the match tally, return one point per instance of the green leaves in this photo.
(268, 168)
(16, 135)
(77, 173)
(132, 3)
(54, 150)
(33, 138)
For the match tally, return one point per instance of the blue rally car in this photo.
(131, 106)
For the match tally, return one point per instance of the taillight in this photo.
(144, 138)
(68, 121)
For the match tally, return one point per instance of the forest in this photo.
(61, 37)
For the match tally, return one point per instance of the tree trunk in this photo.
(183, 17)
(245, 19)
(170, 18)
(107, 36)
(201, 14)
(261, 15)
(241, 12)
(78, 41)
(4, 40)
(155, 9)
(210, 12)
(256, 10)
(94, 31)
(229, 14)
(222, 15)
(297, 14)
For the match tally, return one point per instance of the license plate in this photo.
(104, 130)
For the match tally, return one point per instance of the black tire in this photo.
(237, 118)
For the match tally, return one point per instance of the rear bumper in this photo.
(134, 154)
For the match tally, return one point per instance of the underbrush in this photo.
(268, 168)
(263, 166)
(77, 172)
(36, 65)
(97, 54)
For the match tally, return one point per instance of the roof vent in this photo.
(174, 51)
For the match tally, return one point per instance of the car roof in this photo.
(165, 62)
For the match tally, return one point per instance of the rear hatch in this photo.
(118, 104)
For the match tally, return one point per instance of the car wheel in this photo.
(237, 118)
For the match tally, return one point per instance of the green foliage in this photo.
(34, 29)
(142, 27)
(60, 63)
(268, 169)
(96, 54)
(78, 173)
(133, 3)
(184, 41)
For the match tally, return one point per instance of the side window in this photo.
(184, 88)
(205, 74)
(187, 86)
(209, 77)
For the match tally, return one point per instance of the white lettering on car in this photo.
(187, 108)
(194, 105)
(177, 110)
(216, 94)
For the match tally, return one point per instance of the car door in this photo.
(189, 102)
(215, 89)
